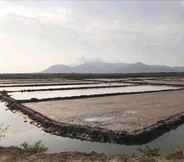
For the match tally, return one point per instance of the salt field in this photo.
(116, 113)
(20, 130)
(25, 88)
(88, 92)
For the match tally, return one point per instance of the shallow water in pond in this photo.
(79, 92)
(61, 86)
(20, 131)
(20, 83)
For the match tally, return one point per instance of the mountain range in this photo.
(102, 67)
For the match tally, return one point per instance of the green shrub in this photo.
(149, 152)
(38, 147)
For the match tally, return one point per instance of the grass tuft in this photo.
(38, 147)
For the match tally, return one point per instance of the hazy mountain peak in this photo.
(103, 67)
(139, 63)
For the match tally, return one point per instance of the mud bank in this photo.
(13, 154)
(98, 134)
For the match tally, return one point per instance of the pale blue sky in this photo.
(36, 34)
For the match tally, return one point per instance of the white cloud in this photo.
(54, 32)
(39, 10)
(182, 3)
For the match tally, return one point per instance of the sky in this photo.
(35, 34)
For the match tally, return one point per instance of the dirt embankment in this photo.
(13, 154)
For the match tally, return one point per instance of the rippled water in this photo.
(20, 131)
(79, 92)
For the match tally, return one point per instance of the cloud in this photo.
(42, 10)
(53, 32)
(182, 3)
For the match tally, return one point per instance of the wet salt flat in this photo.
(79, 92)
(116, 113)
(22, 82)
(61, 86)
(2, 85)
(27, 81)
(108, 79)
(20, 131)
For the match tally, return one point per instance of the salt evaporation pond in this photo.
(20, 131)
(21, 84)
(87, 92)
(61, 86)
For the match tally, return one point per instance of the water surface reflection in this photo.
(20, 131)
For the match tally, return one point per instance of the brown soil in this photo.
(15, 155)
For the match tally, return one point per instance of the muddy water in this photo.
(79, 92)
(20, 131)
(61, 86)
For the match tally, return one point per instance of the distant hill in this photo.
(101, 67)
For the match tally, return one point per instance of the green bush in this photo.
(149, 152)
(38, 147)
